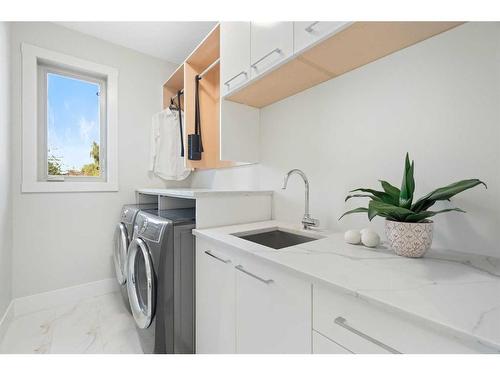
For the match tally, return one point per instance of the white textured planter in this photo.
(409, 239)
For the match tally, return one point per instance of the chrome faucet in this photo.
(307, 220)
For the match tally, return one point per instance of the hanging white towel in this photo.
(165, 159)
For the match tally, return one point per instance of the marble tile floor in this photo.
(96, 325)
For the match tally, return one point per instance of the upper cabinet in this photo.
(307, 33)
(244, 66)
(234, 55)
(270, 44)
(283, 64)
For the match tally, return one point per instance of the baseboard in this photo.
(6, 319)
(58, 297)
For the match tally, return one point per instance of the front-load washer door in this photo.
(120, 253)
(141, 283)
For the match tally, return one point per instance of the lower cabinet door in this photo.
(215, 316)
(323, 345)
(273, 311)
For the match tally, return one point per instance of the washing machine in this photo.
(122, 238)
(161, 280)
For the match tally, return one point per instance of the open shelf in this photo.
(205, 55)
(174, 83)
(351, 48)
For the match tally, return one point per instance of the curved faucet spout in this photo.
(307, 221)
(296, 171)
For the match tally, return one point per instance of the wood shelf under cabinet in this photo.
(351, 48)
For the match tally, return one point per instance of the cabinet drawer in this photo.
(308, 33)
(363, 328)
(323, 345)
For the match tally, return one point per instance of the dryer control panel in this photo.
(149, 229)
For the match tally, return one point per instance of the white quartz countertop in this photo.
(455, 291)
(193, 193)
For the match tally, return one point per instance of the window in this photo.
(72, 124)
(69, 123)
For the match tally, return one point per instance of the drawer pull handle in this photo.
(343, 323)
(209, 253)
(310, 28)
(240, 268)
(276, 50)
(236, 76)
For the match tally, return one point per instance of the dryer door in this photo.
(120, 253)
(141, 283)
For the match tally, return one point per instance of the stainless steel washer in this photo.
(123, 236)
(161, 280)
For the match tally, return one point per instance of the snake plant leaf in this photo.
(393, 191)
(387, 210)
(408, 184)
(356, 210)
(421, 216)
(381, 195)
(445, 193)
(361, 196)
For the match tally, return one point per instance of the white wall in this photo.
(5, 172)
(65, 239)
(438, 100)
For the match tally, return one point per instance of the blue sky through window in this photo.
(72, 120)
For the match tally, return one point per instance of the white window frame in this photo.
(34, 131)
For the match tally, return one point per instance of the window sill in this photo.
(68, 187)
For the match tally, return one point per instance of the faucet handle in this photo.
(310, 222)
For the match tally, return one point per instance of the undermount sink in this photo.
(275, 238)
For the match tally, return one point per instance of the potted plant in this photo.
(407, 225)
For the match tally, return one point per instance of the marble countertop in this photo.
(193, 193)
(453, 291)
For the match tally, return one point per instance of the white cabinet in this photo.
(308, 33)
(234, 55)
(271, 43)
(239, 123)
(244, 306)
(239, 132)
(215, 292)
(361, 327)
(273, 310)
(323, 345)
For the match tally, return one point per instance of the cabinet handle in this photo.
(310, 28)
(343, 323)
(209, 253)
(236, 76)
(276, 50)
(240, 268)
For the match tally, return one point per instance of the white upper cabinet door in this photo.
(215, 300)
(234, 55)
(273, 311)
(271, 43)
(308, 33)
(239, 132)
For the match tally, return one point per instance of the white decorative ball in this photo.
(364, 230)
(352, 236)
(370, 238)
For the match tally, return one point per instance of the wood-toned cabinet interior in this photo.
(253, 64)
(203, 59)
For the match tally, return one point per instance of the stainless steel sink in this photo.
(276, 239)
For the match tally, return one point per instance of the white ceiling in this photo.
(171, 41)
